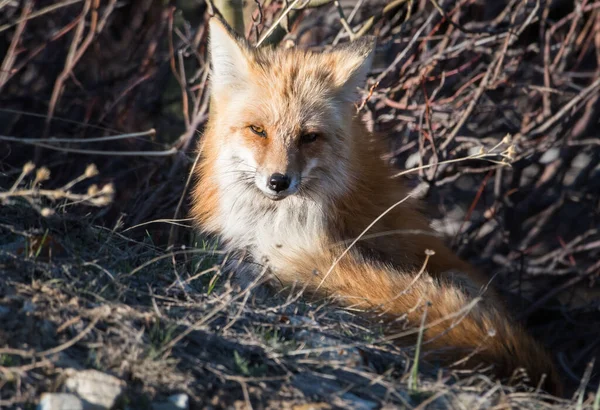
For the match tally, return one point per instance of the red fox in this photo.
(289, 174)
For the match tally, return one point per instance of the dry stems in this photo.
(450, 78)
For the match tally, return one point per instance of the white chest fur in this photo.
(275, 232)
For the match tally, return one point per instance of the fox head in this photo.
(282, 119)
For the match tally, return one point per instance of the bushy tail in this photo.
(461, 325)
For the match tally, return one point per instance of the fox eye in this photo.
(260, 131)
(309, 137)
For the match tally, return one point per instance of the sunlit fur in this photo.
(340, 185)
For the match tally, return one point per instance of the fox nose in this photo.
(279, 182)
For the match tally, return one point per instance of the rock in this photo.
(60, 401)
(412, 161)
(174, 402)
(581, 160)
(99, 390)
(549, 156)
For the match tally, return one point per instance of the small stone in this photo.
(412, 161)
(174, 402)
(60, 401)
(182, 401)
(549, 156)
(96, 388)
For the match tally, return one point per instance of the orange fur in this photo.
(301, 237)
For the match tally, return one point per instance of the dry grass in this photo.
(76, 299)
(99, 268)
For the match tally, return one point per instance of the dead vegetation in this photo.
(99, 268)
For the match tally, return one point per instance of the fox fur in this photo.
(264, 104)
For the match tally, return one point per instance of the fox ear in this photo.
(229, 55)
(352, 65)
